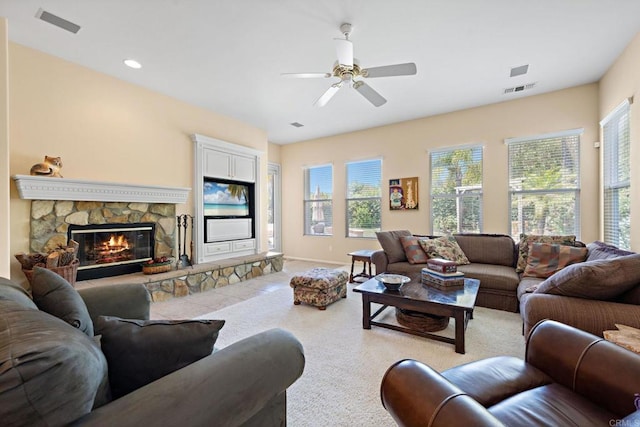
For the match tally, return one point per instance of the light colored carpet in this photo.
(345, 363)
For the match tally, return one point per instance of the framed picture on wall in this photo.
(403, 193)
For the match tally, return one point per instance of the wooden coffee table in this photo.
(455, 303)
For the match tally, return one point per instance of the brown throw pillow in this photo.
(390, 242)
(601, 250)
(412, 249)
(602, 279)
(444, 247)
(53, 294)
(526, 240)
(141, 351)
(546, 258)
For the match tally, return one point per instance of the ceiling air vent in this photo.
(518, 71)
(520, 88)
(57, 21)
(296, 124)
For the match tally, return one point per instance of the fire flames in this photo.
(115, 249)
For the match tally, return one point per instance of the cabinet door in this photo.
(217, 164)
(244, 168)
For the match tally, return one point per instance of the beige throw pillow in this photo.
(444, 247)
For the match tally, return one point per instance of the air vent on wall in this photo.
(57, 21)
(520, 88)
(296, 124)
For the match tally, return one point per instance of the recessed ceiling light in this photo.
(132, 63)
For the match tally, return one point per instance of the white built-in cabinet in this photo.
(222, 164)
(227, 237)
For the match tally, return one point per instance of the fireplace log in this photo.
(53, 259)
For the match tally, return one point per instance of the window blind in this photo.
(318, 200)
(544, 184)
(616, 177)
(364, 198)
(456, 190)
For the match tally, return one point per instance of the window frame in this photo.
(458, 197)
(611, 167)
(510, 142)
(308, 200)
(354, 199)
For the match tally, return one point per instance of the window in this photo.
(544, 184)
(364, 198)
(616, 169)
(318, 200)
(456, 190)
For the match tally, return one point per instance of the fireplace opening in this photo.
(112, 249)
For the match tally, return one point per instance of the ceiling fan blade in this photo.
(344, 50)
(367, 91)
(407, 69)
(325, 97)
(306, 75)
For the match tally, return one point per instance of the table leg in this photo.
(353, 261)
(366, 312)
(370, 275)
(460, 317)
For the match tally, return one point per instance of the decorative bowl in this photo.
(392, 281)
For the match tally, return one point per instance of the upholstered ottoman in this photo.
(319, 287)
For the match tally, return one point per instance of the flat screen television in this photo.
(227, 199)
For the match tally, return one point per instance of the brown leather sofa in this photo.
(568, 377)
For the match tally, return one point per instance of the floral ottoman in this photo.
(319, 287)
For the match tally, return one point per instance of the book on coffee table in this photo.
(440, 281)
(442, 265)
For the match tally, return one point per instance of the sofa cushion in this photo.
(601, 279)
(53, 294)
(390, 242)
(526, 240)
(141, 351)
(50, 372)
(445, 247)
(527, 285)
(412, 249)
(13, 292)
(499, 277)
(601, 250)
(544, 259)
(498, 249)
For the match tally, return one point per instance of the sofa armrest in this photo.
(380, 260)
(128, 301)
(598, 370)
(592, 316)
(416, 395)
(229, 387)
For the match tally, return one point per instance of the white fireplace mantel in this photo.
(46, 188)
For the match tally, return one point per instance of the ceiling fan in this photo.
(347, 70)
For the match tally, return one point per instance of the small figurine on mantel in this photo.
(50, 167)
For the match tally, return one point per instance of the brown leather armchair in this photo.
(568, 377)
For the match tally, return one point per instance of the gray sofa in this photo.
(493, 260)
(51, 371)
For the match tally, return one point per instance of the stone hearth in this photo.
(199, 278)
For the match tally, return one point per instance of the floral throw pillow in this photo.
(546, 258)
(444, 247)
(413, 250)
(526, 240)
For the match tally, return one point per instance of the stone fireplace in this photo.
(64, 207)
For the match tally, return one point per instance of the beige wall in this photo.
(622, 81)
(404, 150)
(274, 153)
(104, 129)
(5, 229)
